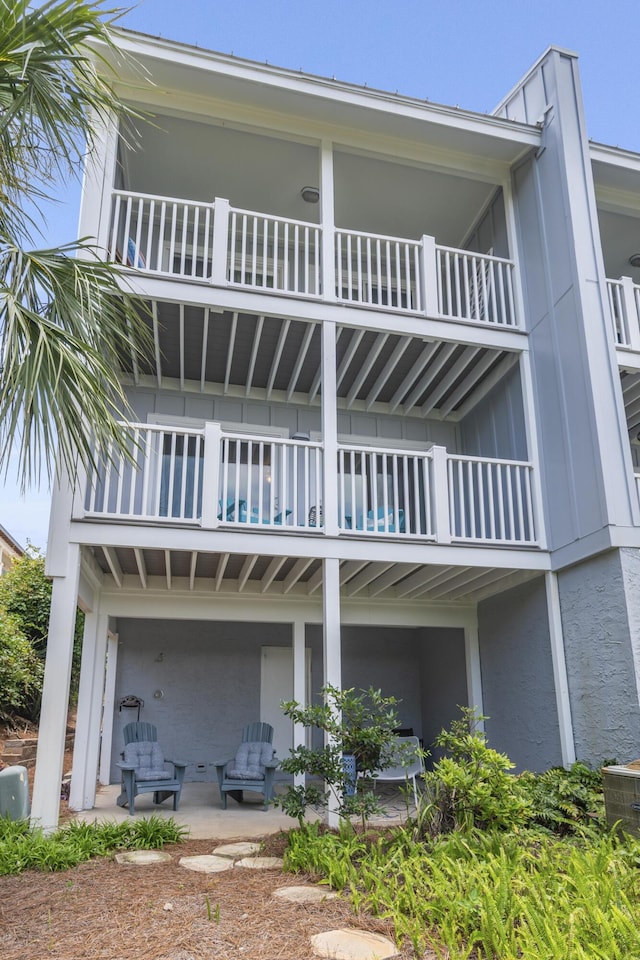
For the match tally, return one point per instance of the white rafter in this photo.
(397, 572)
(222, 566)
(296, 572)
(181, 327)
(447, 382)
(416, 369)
(350, 568)
(142, 567)
(114, 565)
(205, 338)
(366, 367)
(167, 565)
(387, 370)
(284, 330)
(366, 577)
(302, 356)
(254, 354)
(156, 342)
(271, 573)
(192, 569)
(245, 573)
(428, 378)
(230, 349)
(469, 383)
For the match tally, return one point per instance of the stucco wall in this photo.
(517, 676)
(444, 681)
(600, 604)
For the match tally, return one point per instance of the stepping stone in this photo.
(143, 857)
(261, 863)
(304, 894)
(348, 944)
(236, 850)
(206, 863)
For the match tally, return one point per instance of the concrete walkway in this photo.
(201, 811)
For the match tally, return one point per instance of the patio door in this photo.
(276, 685)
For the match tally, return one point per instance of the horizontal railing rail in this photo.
(273, 253)
(378, 271)
(224, 245)
(490, 501)
(474, 286)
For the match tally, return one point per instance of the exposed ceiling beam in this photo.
(192, 569)
(296, 572)
(114, 565)
(488, 384)
(315, 581)
(181, 328)
(254, 354)
(444, 576)
(364, 579)
(302, 356)
(245, 573)
(387, 370)
(230, 349)
(397, 572)
(205, 338)
(271, 573)
(419, 579)
(222, 566)
(497, 586)
(448, 381)
(417, 368)
(349, 569)
(458, 583)
(284, 330)
(469, 383)
(156, 342)
(432, 372)
(345, 363)
(167, 566)
(366, 367)
(142, 567)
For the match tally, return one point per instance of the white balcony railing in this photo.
(211, 478)
(218, 244)
(624, 303)
(475, 287)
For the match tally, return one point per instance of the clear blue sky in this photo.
(465, 52)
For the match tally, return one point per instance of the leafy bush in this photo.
(20, 669)
(566, 801)
(23, 848)
(470, 786)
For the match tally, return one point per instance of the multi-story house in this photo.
(386, 434)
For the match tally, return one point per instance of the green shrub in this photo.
(566, 801)
(20, 669)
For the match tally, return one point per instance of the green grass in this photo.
(24, 848)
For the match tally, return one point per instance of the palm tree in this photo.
(65, 321)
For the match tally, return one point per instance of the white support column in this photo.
(329, 429)
(331, 642)
(220, 243)
(327, 219)
(429, 279)
(108, 709)
(211, 475)
(85, 753)
(99, 182)
(440, 495)
(299, 687)
(560, 680)
(533, 453)
(45, 809)
(474, 672)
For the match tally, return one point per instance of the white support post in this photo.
(211, 475)
(45, 809)
(108, 709)
(99, 181)
(429, 278)
(219, 246)
(560, 679)
(329, 429)
(331, 642)
(440, 494)
(85, 752)
(474, 672)
(327, 217)
(533, 454)
(299, 688)
(631, 312)
(79, 491)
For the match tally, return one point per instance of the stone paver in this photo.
(304, 894)
(261, 863)
(237, 850)
(142, 857)
(348, 944)
(206, 863)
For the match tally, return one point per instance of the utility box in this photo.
(622, 797)
(14, 793)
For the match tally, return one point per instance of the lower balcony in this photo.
(210, 478)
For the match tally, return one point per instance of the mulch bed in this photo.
(102, 910)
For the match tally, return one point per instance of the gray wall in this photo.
(210, 676)
(490, 232)
(517, 676)
(443, 673)
(600, 604)
(495, 428)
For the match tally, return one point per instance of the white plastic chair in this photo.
(407, 763)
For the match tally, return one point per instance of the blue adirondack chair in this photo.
(144, 768)
(252, 768)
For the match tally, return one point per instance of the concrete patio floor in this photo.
(201, 812)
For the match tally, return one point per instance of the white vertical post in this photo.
(327, 218)
(211, 475)
(331, 642)
(108, 709)
(440, 495)
(560, 679)
(45, 809)
(80, 490)
(631, 312)
(85, 752)
(526, 381)
(429, 278)
(474, 672)
(299, 687)
(98, 183)
(219, 245)
(329, 429)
